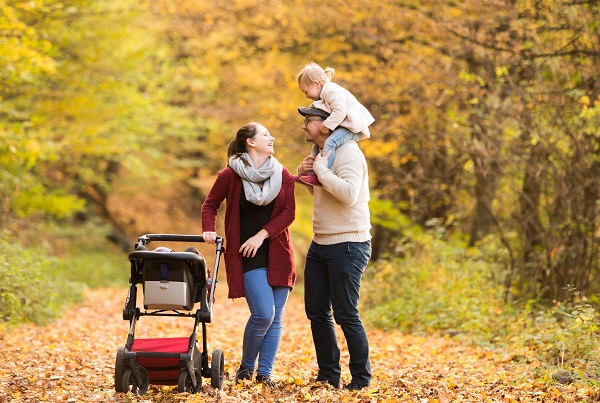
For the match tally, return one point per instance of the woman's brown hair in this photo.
(238, 145)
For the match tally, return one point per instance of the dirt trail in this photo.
(73, 361)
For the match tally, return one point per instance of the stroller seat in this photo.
(170, 280)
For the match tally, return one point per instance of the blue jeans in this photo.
(332, 275)
(263, 329)
(338, 137)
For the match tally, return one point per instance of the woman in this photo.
(259, 258)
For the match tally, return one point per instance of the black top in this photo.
(252, 219)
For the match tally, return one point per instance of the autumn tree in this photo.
(27, 64)
(479, 106)
(89, 92)
(531, 69)
(486, 113)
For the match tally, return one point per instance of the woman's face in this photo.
(262, 142)
(312, 91)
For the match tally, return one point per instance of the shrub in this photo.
(446, 287)
(441, 286)
(87, 255)
(32, 287)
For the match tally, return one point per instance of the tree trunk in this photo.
(529, 219)
(487, 173)
(575, 257)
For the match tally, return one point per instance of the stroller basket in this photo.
(173, 283)
(165, 369)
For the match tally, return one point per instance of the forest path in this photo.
(73, 360)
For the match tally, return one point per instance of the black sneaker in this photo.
(265, 380)
(243, 374)
(324, 381)
(354, 386)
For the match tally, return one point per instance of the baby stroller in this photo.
(172, 282)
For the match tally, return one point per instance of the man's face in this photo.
(312, 127)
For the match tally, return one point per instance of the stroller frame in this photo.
(172, 354)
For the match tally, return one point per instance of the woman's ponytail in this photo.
(238, 145)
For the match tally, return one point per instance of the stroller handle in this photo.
(146, 239)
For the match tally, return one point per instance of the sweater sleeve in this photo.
(213, 201)
(283, 218)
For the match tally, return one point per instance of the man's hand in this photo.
(323, 157)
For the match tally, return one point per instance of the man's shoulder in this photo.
(349, 150)
(349, 146)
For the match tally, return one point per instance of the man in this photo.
(338, 254)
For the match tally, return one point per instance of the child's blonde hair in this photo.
(312, 73)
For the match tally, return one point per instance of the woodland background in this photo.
(484, 157)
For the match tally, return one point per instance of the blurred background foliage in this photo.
(484, 157)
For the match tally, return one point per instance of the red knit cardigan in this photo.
(281, 268)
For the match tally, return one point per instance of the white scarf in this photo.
(270, 174)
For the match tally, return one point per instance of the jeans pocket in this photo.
(360, 253)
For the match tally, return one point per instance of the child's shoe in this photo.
(298, 181)
(309, 180)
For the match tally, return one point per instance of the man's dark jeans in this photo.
(332, 275)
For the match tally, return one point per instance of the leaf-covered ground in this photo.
(73, 361)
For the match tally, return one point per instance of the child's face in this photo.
(312, 91)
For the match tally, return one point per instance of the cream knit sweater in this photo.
(341, 204)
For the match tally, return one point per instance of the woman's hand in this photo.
(209, 237)
(249, 248)
(306, 165)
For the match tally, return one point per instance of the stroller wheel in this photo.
(119, 369)
(217, 368)
(130, 383)
(185, 383)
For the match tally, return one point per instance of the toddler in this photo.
(348, 119)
